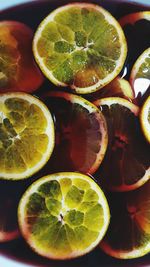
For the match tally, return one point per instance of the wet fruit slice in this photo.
(26, 135)
(18, 71)
(126, 165)
(118, 87)
(63, 215)
(80, 45)
(145, 119)
(128, 235)
(81, 133)
(136, 27)
(140, 74)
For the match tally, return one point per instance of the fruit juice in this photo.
(32, 15)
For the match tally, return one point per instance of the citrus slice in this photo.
(80, 45)
(140, 73)
(81, 133)
(18, 71)
(126, 165)
(145, 119)
(136, 27)
(63, 215)
(26, 135)
(118, 87)
(128, 235)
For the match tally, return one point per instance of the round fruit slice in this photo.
(140, 74)
(136, 27)
(63, 215)
(145, 119)
(81, 133)
(18, 71)
(126, 165)
(118, 87)
(80, 45)
(26, 135)
(128, 235)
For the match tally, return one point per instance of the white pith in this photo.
(144, 119)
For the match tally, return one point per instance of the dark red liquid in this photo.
(32, 15)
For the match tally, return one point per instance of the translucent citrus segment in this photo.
(53, 218)
(18, 71)
(80, 45)
(140, 73)
(81, 133)
(128, 235)
(145, 119)
(26, 135)
(126, 165)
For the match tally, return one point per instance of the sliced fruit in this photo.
(118, 87)
(26, 135)
(136, 27)
(18, 71)
(145, 119)
(81, 133)
(128, 235)
(140, 73)
(126, 165)
(63, 215)
(80, 45)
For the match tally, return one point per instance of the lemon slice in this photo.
(80, 45)
(128, 235)
(63, 215)
(126, 165)
(26, 135)
(145, 119)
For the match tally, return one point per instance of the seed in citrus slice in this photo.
(145, 119)
(128, 235)
(80, 45)
(140, 74)
(126, 165)
(118, 87)
(81, 133)
(63, 215)
(26, 135)
(18, 71)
